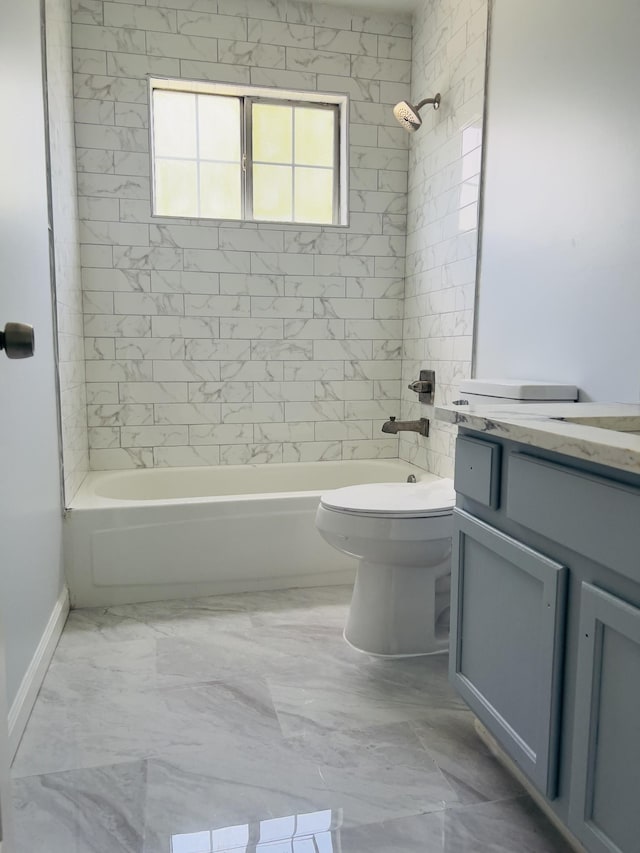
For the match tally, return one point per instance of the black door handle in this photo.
(18, 340)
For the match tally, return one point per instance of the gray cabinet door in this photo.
(604, 805)
(507, 633)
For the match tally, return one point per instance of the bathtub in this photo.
(163, 533)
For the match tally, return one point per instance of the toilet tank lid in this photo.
(519, 389)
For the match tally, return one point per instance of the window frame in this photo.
(249, 95)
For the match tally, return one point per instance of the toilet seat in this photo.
(393, 500)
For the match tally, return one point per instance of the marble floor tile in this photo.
(267, 647)
(507, 826)
(361, 775)
(81, 811)
(196, 791)
(389, 794)
(185, 619)
(369, 772)
(364, 751)
(323, 606)
(230, 722)
(469, 767)
(251, 652)
(91, 672)
(371, 693)
(65, 733)
(242, 782)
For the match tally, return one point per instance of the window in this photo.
(259, 155)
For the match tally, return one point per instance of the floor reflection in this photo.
(316, 832)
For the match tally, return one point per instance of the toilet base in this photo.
(398, 611)
(441, 651)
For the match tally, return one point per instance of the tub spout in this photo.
(394, 427)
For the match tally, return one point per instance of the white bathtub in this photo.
(163, 533)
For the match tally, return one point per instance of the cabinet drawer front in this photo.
(507, 629)
(477, 470)
(588, 514)
(604, 807)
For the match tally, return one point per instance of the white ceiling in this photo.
(375, 5)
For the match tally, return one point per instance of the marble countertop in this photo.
(604, 433)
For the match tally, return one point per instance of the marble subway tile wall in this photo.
(222, 342)
(449, 48)
(69, 315)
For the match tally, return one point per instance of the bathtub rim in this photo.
(86, 499)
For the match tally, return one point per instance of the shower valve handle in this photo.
(18, 340)
(425, 386)
(420, 387)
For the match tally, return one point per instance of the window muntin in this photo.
(279, 159)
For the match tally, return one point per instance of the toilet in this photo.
(401, 533)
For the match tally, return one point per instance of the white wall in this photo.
(30, 504)
(559, 295)
(449, 40)
(64, 204)
(238, 344)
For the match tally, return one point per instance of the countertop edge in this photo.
(542, 426)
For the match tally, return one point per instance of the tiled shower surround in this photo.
(64, 217)
(449, 42)
(221, 342)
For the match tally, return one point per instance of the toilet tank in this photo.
(505, 391)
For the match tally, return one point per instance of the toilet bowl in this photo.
(401, 534)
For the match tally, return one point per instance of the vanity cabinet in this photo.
(545, 627)
(508, 628)
(605, 799)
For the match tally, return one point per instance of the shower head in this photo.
(408, 116)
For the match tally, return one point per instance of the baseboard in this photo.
(22, 705)
(533, 792)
